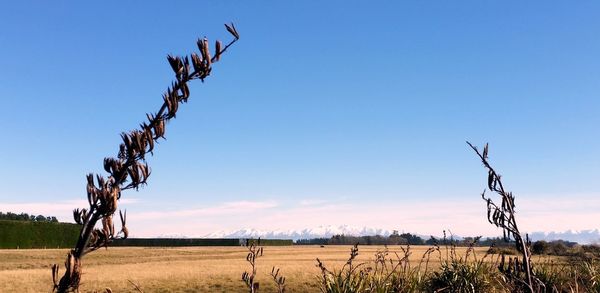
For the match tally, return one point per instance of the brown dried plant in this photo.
(503, 216)
(254, 251)
(278, 279)
(129, 169)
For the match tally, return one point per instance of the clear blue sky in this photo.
(321, 111)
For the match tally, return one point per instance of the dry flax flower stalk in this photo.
(503, 216)
(129, 169)
(249, 278)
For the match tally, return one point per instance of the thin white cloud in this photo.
(462, 217)
(424, 216)
(312, 202)
(61, 209)
(227, 208)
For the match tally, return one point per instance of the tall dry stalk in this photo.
(129, 169)
(503, 216)
(254, 251)
(278, 279)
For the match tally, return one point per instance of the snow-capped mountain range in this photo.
(583, 236)
(317, 232)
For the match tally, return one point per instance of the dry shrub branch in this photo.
(129, 169)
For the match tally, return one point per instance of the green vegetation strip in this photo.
(27, 234)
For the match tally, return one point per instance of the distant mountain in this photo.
(582, 237)
(318, 232)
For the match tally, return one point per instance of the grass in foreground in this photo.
(457, 273)
(195, 269)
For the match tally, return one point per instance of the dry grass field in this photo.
(188, 269)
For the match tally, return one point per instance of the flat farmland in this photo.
(187, 269)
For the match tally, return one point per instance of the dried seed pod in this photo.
(100, 180)
(122, 151)
(144, 171)
(90, 180)
(126, 140)
(198, 63)
(231, 29)
(173, 91)
(185, 92)
(100, 238)
(129, 145)
(105, 226)
(139, 143)
(185, 72)
(151, 118)
(84, 215)
(70, 264)
(485, 151)
(123, 217)
(490, 180)
(176, 64)
(107, 163)
(171, 102)
(149, 139)
(124, 230)
(206, 52)
(217, 50)
(111, 226)
(200, 45)
(91, 190)
(167, 101)
(77, 216)
(55, 276)
(159, 129)
(134, 175)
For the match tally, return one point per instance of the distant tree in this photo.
(395, 239)
(558, 248)
(413, 239)
(540, 247)
(26, 217)
(314, 241)
(431, 241)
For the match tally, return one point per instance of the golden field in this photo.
(186, 269)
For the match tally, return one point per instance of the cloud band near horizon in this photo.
(462, 217)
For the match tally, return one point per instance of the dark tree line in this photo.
(27, 217)
(403, 239)
(556, 247)
(394, 239)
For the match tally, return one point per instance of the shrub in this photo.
(460, 275)
(503, 250)
(385, 274)
(539, 247)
